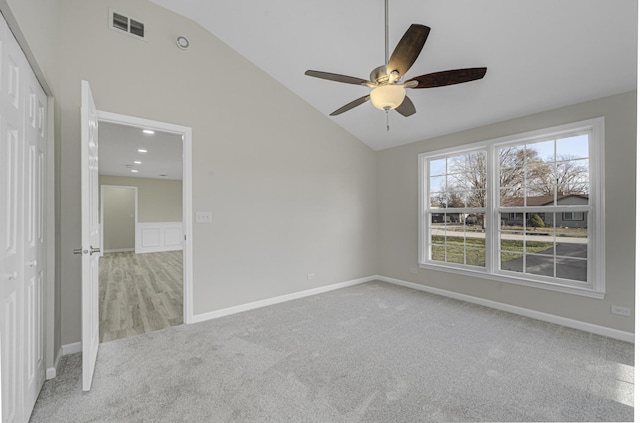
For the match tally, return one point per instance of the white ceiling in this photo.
(540, 54)
(119, 146)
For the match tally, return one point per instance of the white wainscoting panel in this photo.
(153, 237)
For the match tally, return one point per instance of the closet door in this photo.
(11, 154)
(34, 115)
(22, 231)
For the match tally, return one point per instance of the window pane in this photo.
(511, 157)
(544, 151)
(540, 245)
(541, 223)
(455, 255)
(511, 221)
(511, 235)
(512, 241)
(455, 199)
(511, 261)
(476, 257)
(571, 235)
(538, 195)
(573, 269)
(437, 252)
(539, 265)
(438, 219)
(437, 236)
(437, 183)
(511, 198)
(572, 179)
(437, 167)
(511, 177)
(475, 238)
(573, 147)
(438, 200)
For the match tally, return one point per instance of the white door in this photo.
(11, 149)
(34, 101)
(22, 232)
(90, 235)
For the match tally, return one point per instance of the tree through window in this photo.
(522, 207)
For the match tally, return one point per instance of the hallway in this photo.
(139, 293)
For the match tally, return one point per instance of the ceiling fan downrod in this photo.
(386, 32)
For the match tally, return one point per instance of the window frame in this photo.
(595, 218)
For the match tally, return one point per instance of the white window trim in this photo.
(596, 273)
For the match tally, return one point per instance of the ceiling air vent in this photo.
(122, 23)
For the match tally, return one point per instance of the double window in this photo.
(526, 209)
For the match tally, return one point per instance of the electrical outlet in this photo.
(622, 311)
(311, 276)
(413, 270)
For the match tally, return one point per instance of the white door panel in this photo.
(22, 232)
(90, 234)
(34, 214)
(12, 139)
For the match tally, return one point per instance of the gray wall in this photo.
(159, 200)
(118, 218)
(291, 192)
(398, 215)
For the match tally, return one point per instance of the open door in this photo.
(90, 235)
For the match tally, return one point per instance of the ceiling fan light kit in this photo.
(388, 92)
(385, 97)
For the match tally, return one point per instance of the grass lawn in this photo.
(475, 251)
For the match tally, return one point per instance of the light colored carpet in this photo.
(369, 353)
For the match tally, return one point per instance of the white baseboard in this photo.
(275, 300)
(67, 349)
(538, 315)
(52, 372)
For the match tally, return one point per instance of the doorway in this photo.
(145, 207)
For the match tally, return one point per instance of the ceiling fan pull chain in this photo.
(387, 112)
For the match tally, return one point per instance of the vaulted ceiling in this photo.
(540, 54)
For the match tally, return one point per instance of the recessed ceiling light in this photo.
(137, 162)
(148, 131)
(142, 150)
(134, 171)
(162, 174)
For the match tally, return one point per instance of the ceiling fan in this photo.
(388, 91)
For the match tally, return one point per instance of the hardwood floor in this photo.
(139, 293)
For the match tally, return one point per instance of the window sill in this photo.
(567, 289)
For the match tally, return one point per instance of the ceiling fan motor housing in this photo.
(380, 76)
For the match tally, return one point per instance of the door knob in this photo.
(80, 251)
(12, 276)
(93, 250)
(33, 263)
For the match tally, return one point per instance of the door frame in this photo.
(135, 213)
(187, 224)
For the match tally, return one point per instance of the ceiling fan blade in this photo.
(351, 105)
(450, 77)
(337, 77)
(408, 49)
(406, 108)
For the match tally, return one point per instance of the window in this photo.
(573, 216)
(524, 209)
